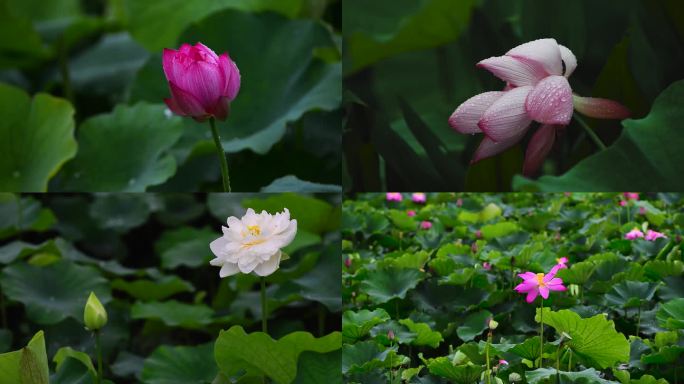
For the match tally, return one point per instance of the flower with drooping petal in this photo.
(394, 196)
(562, 262)
(202, 83)
(652, 235)
(425, 224)
(253, 243)
(635, 233)
(537, 89)
(411, 213)
(418, 198)
(539, 284)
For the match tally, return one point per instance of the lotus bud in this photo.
(492, 324)
(94, 314)
(390, 335)
(514, 377)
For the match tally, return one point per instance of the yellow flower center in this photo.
(540, 279)
(558, 260)
(254, 230)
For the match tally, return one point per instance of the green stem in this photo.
(264, 308)
(638, 320)
(64, 69)
(489, 371)
(541, 332)
(221, 154)
(570, 361)
(594, 137)
(98, 347)
(391, 372)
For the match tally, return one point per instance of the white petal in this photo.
(269, 266)
(569, 59)
(544, 51)
(228, 269)
(218, 247)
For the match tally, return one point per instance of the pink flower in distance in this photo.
(539, 284)
(411, 213)
(653, 235)
(623, 203)
(202, 84)
(642, 210)
(394, 196)
(537, 89)
(634, 234)
(562, 261)
(419, 198)
(631, 195)
(487, 266)
(425, 225)
(503, 362)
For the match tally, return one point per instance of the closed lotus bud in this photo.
(478, 234)
(459, 202)
(202, 84)
(94, 314)
(514, 377)
(473, 247)
(348, 262)
(492, 324)
(390, 335)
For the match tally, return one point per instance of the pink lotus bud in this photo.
(411, 213)
(425, 225)
(478, 234)
(623, 203)
(348, 262)
(486, 266)
(390, 334)
(631, 195)
(393, 196)
(459, 202)
(202, 84)
(503, 362)
(473, 247)
(642, 210)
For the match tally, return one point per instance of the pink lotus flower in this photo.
(486, 266)
(411, 213)
(631, 195)
(623, 203)
(348, 262)
(459, 202)
(539, 284)
(653, 235)
(642, 210)
(537, 89)
(418, 198)
(562, 262)
(394, 196)
(634, 234)
(425, 225)
(503, 362)
(478, 234)
(202, 84)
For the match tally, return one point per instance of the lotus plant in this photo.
(394, 196)
(254, 243)
(535, 284)
(202, 85)
(537, 90)
(419, 198)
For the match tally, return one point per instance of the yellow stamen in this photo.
(254, 230)
(540, 279)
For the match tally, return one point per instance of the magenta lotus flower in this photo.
(419, 198)
(631, 195)
(411, 213)
(562, 262)
(653, 235)
(202, 84)
(537, 89)
(623, 203)
(425, 225)
(394, 196)
(487, 266)
(635, 233)
(539, 284)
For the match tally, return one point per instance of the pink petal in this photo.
(525, 287)
(555, 281)
(559, 287)
(506, 118)
(231, 75)
(600, 108)
(569, 59)
(544, 51)
(168, 63)
(514, 71)
(489, 148)
(202, 80)
(173, 106)
(550, 102)
(531, 296)
(539, 147)
(544, 291)
(208, 53)
(465, 117)
(186, 102)
(221, 109)
(185, 48)
(527, 275)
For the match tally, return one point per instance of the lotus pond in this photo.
(454, 288)
(169, 317)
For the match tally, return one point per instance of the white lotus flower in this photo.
(253, 243)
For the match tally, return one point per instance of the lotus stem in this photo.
(98, 347)
(594, 137)
(638, 327)
(221, 154)
(264, 307)
(541, 332)
(489, 370)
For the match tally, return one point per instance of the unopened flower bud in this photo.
(390, 335)
(492, 324)
(574, 289)
(514, 377)
(348, 262)
(94, 314)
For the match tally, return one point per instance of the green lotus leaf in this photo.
(180, 364)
